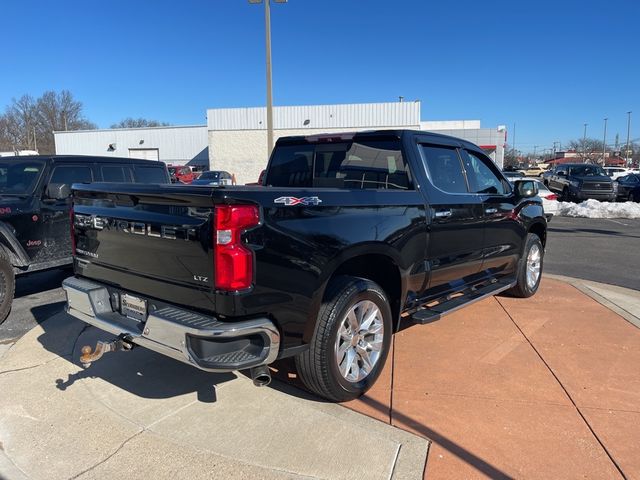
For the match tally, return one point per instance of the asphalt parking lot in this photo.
(601, 250)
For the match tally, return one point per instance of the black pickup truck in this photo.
(575, 182)
(351, 237)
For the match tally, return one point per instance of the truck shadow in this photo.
(286, 381)
(140, 372)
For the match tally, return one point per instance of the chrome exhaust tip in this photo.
(261, 376)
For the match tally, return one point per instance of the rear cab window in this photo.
(358, 164)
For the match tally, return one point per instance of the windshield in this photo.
(587, 171)
(19, 177)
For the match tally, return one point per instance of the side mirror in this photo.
(57, 191)
(526, 188)
(562, 174)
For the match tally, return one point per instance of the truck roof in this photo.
(350, 135)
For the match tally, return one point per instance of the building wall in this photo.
(175, 145)
(436, 125)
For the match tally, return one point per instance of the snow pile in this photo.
(594, 209)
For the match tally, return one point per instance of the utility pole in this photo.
(626, 152)
(267, 25)
(604, 143)
(584, 144)
(515, 155)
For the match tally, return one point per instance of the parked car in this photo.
(214, 178)
(351, 237)
(629, 187)
(513, 174)
(549, 199)
(181, 174)
(580, 181)
(34, 208)
(617, 172)
(536, 170)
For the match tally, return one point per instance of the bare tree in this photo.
(512, 157)
(589, 149)
(58, 112)
(138, 123)
(28, 123)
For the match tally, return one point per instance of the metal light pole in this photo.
(604, 144)
(267, 25)
(584, 144)
(626, 152)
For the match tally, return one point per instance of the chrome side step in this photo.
(426, 315)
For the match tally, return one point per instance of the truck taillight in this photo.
(233, 261)
(73, 232)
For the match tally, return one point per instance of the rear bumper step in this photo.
(431, 314)
(190, 337)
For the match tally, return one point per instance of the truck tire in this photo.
(529, 268)
(7, 285)
(351, 340)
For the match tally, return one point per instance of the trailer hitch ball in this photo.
(89, 355)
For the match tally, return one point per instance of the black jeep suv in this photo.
(35, 201)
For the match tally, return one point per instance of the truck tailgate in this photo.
(141, 237)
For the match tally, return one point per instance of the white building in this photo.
(173, 145)
(238, 136)
(235, 139)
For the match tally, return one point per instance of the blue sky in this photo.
(547, 66)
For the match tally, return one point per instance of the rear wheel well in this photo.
(380, 269)
(540, 230)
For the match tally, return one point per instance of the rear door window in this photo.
(444, 168)
(150, 175)
(116, 173)
(69, 174)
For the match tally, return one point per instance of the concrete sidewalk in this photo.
(142, 415)
(546, 387)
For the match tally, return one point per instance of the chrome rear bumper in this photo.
(190, 337)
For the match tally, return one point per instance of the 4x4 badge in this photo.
(291, 201)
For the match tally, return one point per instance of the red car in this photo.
(181, 174)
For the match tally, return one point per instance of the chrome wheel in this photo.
(534, 266)
(359, 341)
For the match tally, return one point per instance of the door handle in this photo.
(443, 214)
(491, 210)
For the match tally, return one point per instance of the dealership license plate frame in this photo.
(134, 307)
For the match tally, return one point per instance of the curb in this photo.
(587, 287)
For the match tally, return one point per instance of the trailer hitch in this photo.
(90, 355)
